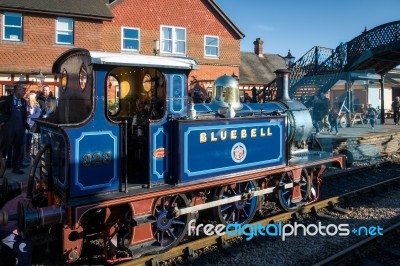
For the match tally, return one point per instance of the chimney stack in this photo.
(258, 47)
(282, 85)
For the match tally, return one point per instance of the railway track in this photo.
(368, 251)
(188, 250)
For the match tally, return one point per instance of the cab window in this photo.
(135, 91)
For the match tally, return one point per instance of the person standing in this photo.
(371, 114)
(42, 97)
(396, 109)
(12, 130)
(316, 113)
(325, 108)
(51, 106)
(247, 98)
(333, 119)
(34, 111)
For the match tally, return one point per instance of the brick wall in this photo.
(195, 16)
(38, 50)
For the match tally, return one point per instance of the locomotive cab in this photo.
(121, 103)
(136, 98)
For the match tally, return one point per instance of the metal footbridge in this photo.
(373, 52)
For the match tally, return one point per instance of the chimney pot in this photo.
(258, 47)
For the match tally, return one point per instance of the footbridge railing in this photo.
(375, 51)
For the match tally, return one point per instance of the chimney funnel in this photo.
(282, 84)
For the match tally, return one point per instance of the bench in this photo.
(357, 117)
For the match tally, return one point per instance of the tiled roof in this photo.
(94, 9)
(226, 18)
(214, 5)
(259, 70)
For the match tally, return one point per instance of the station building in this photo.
(35, 33)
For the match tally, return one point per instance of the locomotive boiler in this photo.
(127, 156)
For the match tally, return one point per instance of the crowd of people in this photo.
(18, 112)
(326, 116)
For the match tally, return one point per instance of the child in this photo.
(333, 117)
(371, 115)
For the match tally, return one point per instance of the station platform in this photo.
(359, 142)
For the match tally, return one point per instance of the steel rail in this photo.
(363, 244)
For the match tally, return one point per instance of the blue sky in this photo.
(299, 25)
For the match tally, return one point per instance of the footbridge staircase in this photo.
(375, 51)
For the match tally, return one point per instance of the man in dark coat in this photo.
(325, 109)
(42, 97)
(316, 113)
(13, 124)
(396, 110)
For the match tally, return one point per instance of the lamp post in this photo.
(40, 79)
(289, 60)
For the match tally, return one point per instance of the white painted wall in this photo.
(374, 97)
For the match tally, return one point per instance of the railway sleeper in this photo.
(190, 254)
(222, 243)
(154, 262)
(339, 209)
(318, 214)
(228, 248)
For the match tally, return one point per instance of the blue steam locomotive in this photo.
(127, 156)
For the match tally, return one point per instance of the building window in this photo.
(173, 40)
(65, 31)
(12, 26)
(211, 46)
(130, 39)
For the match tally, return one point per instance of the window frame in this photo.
(15, 14)
(123, 38)
(217, 46)
(71, 31)
(174, 41)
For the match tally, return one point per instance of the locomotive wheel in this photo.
(285, 195)
(168, 231)
(240, 212)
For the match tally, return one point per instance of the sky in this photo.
(299, 25)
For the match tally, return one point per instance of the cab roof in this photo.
(122, 59)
